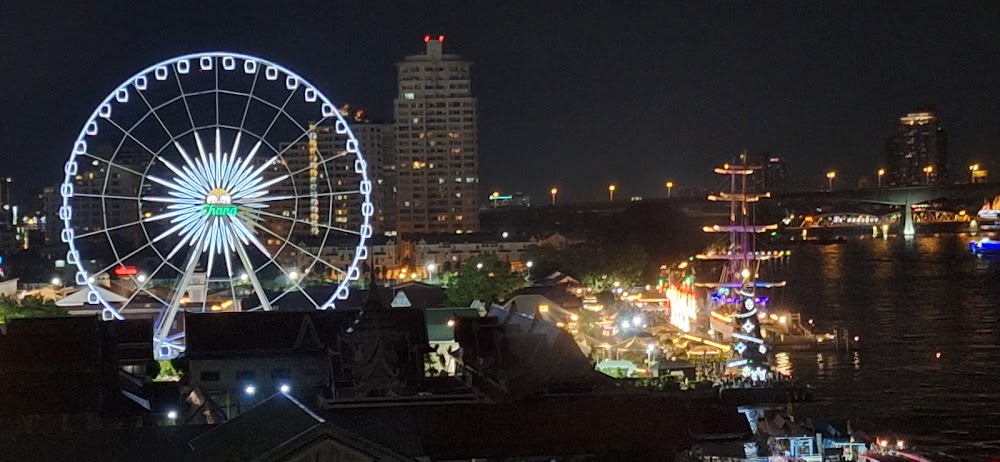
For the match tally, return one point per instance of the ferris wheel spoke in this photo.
(296, 220)
(111, 163)
(246, 109)
(252, 276)
(164, 216)
(200, 160)
(300, 249)
(321, 163)
(247, 236)
(280, 112)
(215, 65)
(121, 261)
(189, 165)
(258, 188)
(183, 223)
(105, 196)
(128, 134)
(252, 97)
(174, 200)
(174, 186)
(141, 287)
(243, 169)
(183, 177)
(153, 111)
(295, 284)
(104, 230)
(187, 107)
(307, 196)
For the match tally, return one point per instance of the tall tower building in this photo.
(437, 154)
(314, 161)
(918, 153)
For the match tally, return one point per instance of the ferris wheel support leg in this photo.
(160, 340)
(248, 267)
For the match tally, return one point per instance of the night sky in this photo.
(573, 94)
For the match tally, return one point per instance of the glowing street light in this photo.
(285, 388)
(431, 268)
(293, 275)
(553, 192)
(250, 390)
(670, 187)
(829, 177)
(611, 192)
(172, 414)
(881, 173)
(972, 171)
(927, 173)
(56, 281)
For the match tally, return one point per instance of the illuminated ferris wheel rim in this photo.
(221, 62)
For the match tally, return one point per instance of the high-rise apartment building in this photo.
(918, 152)
(436, 157)
(318, 172)
(773, 175)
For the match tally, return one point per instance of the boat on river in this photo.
(985, 247)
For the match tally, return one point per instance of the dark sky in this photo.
(575, 94)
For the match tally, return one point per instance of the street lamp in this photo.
(611, 192)
(431, 267)
(829, 177)
(927, 173)
(553, 192)
(881, 173)
(670, 187)
(972, 171)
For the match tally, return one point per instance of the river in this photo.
(907, 300)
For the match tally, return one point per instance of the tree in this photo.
(28, 307)
(30, 266)
(598, 263)
(482, 278)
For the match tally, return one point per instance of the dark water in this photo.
(907, 300)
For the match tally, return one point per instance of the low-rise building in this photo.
(448, 251)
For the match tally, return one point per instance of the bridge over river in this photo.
(906, 198)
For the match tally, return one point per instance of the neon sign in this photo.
(219, 210)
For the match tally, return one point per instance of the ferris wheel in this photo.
(214, 182)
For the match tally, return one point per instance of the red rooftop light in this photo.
(427, 38)
(126, 271)
(441, 38)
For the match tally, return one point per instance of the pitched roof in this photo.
(602, 425)
(267, 332)
(262, 429)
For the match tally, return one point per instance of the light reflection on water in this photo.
(907, 299)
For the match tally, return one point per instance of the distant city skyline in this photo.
(574, 98)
